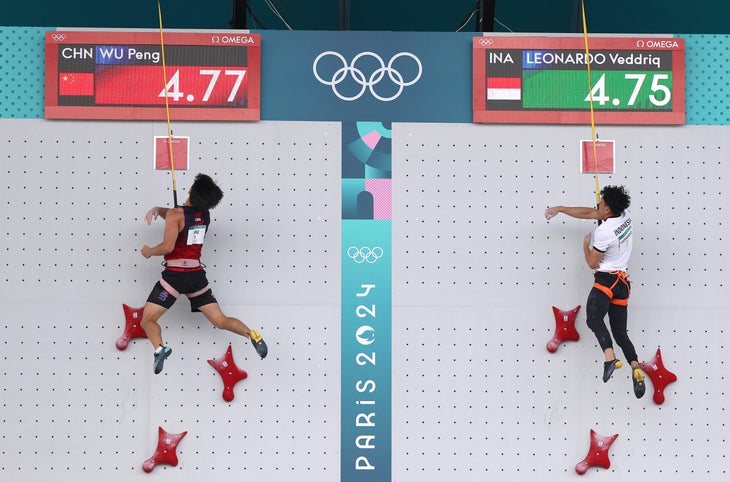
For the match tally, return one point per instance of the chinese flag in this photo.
(76, 83)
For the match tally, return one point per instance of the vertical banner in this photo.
(366, 302)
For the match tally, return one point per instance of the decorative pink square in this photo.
(381, 189)
(605, 153)
(180, 152)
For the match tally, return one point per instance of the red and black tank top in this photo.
(189, 242)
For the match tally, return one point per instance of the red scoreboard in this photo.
(120, 75)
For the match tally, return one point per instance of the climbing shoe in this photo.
(258, 343)
(161, 353)
(609, 367)
(639, 385)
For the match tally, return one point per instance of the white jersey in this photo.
(614, 237)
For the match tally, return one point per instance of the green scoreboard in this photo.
(556, 80)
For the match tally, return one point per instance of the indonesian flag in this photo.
(76, 83)
(504, 88)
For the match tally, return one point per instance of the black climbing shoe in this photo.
(259, 344)
(639, 385)
(609, 367)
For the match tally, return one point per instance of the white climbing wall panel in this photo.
(476, 271)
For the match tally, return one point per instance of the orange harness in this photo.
(620, 276)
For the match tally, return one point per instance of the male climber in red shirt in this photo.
(181, 246)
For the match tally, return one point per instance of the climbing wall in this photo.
(477, 270)
(476, 273)
(74, 199)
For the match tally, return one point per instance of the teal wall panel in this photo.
(708, 75)
(21, 72)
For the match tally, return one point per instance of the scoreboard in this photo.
(545, 80)
(119, 75)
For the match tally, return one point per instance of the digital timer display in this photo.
(120, 75)
(545, 80)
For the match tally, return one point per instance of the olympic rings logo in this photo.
(364, 81)
(58, 37)
(364, 254)
(485, 42)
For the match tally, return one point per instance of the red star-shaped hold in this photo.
(660, 377)
(132, 328)
(166, 450)
(564, 328)
(597, 453)
(230, 373)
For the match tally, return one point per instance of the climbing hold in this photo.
(660, 377)
(132, 328)
(166, 450)
(564, 328)
(597, 453)
(230, 373)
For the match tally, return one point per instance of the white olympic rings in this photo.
(58, 37)
(365, 254)
(367, 82)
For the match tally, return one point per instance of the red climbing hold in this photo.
(660, 377)
(132, 328)
(564, 328)
(230, 373)
(166, 450)
(597, 453)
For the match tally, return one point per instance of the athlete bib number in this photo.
(196, 235)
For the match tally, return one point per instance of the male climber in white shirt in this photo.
(608, 255)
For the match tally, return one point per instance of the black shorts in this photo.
(186, 283)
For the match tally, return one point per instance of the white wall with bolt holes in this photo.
(476, 271)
